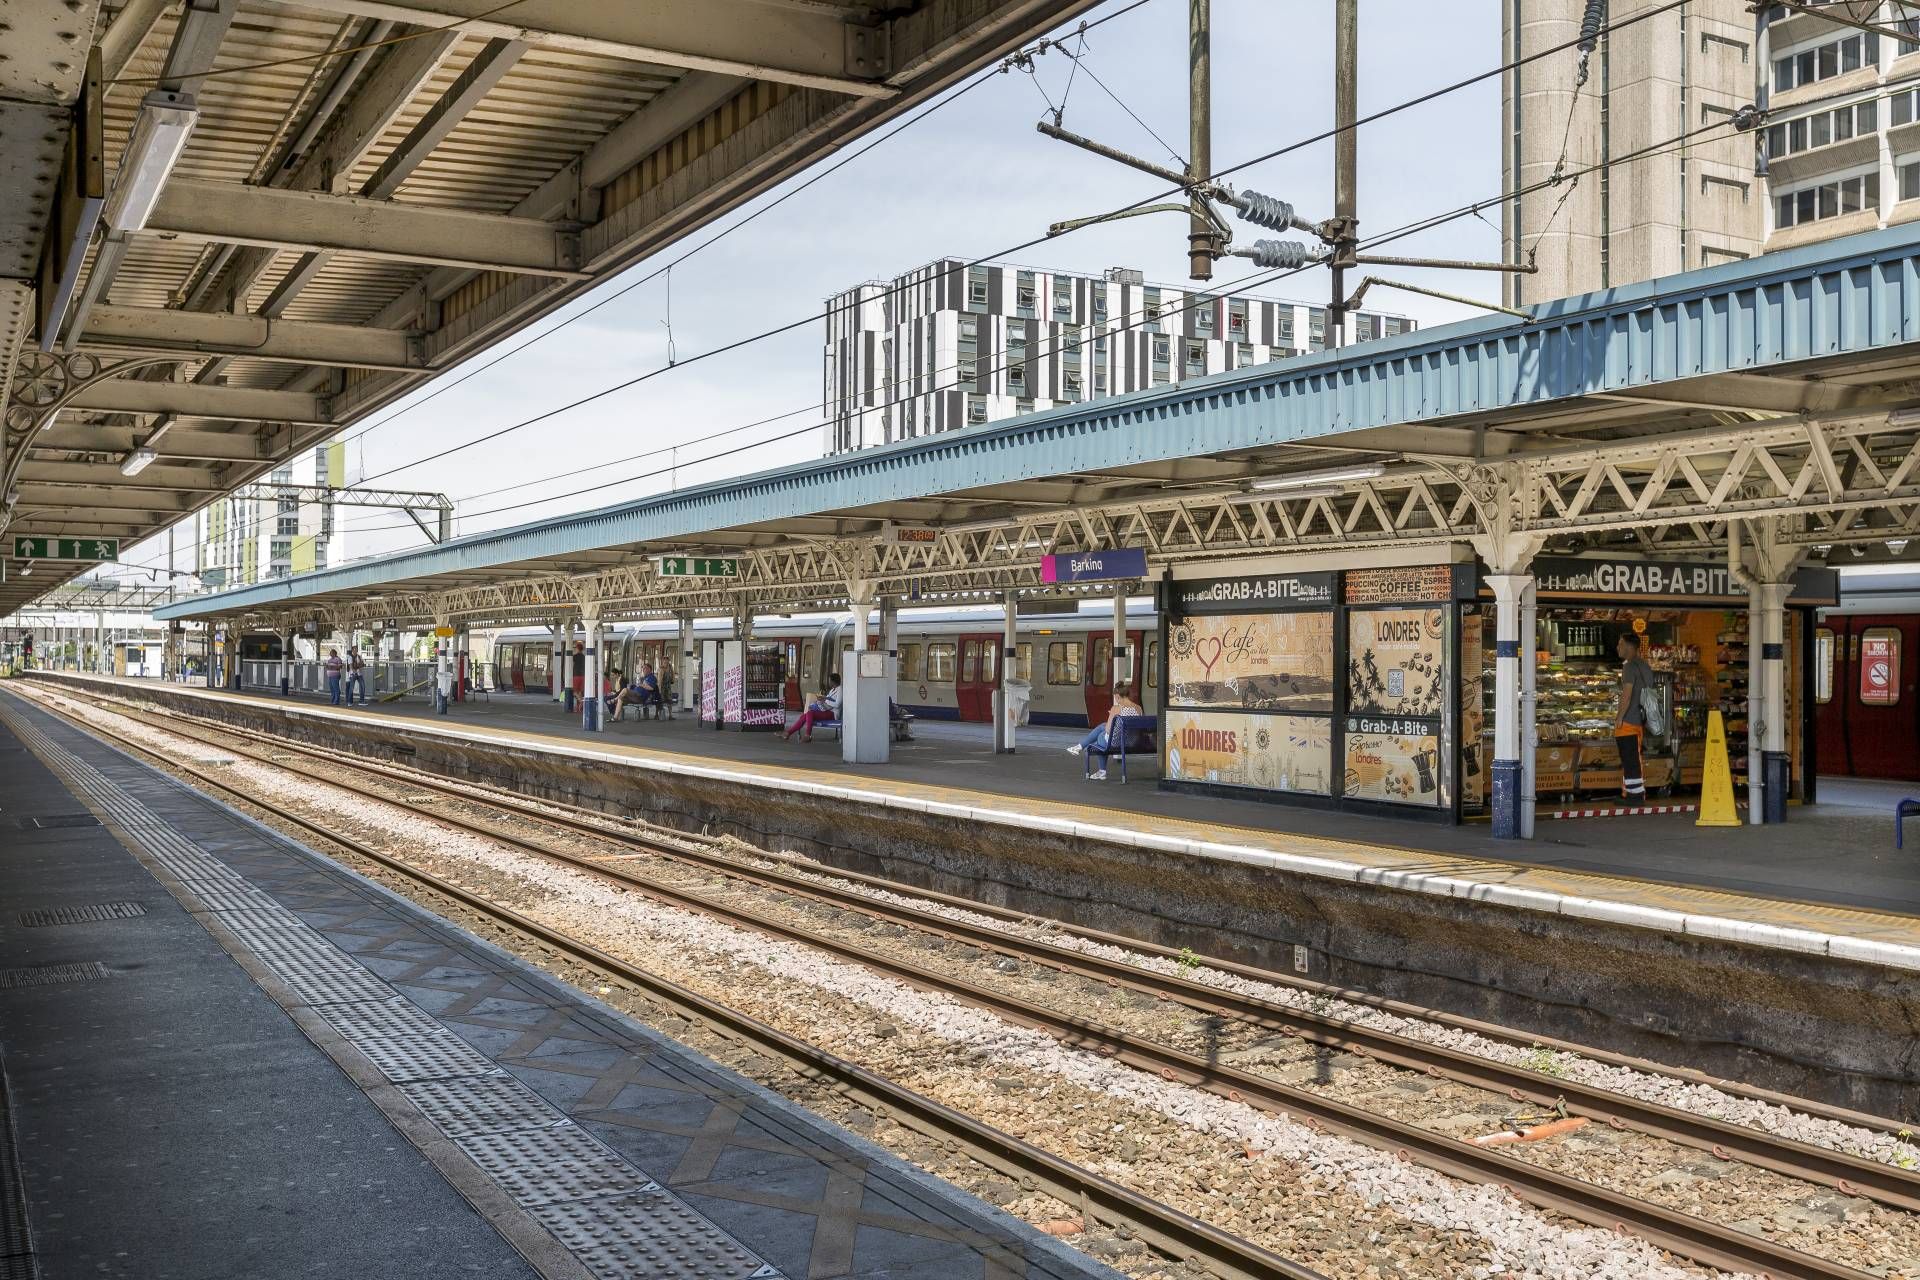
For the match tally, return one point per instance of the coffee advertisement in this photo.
(1268, 752)
(1399, 585)
(1256, 662)
(1396, 661)
(1392, 761)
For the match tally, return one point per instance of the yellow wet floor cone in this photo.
(1716, 788)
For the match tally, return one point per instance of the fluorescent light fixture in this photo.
(1896, 545)
(1288, 495)
(1907, 417)
(1335, 475)
(159, 136)
(26, 568)
(137, 461)
(1907, 569)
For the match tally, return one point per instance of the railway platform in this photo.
(221, 1051)
(1777, 955)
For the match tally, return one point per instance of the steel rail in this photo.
(1172, 1232)
(1696, 1238)
(1847, 1173)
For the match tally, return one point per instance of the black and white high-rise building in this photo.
(950, 345)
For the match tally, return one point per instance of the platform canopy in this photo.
(1772, 392)
(368, 192)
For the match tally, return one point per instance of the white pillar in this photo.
(443, 669)
(1756, 709)
(590, 706)
(1776, 768)
(1119, 637)
(1509, 750)
(286, 663)
(685, 683)
(1003, 725)
(559, 648)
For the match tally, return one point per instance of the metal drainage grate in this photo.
(546, 1166)
(89, 914)
(649, 1233)
(46, 975)
(54, 821)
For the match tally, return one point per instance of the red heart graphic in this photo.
(1206, 663)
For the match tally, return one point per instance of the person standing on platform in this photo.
(356, 676)
(1630, 725)
(666, 686)
(333, 668)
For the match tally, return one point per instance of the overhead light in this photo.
(26, 569)
(137, 460)
(1907, 417)
(1305, 479)
(13, 497)
(1896, 545)
(159, 136)
(1308, 491)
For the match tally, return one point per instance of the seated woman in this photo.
(1099, 741)
(823, 708)
(646, 690)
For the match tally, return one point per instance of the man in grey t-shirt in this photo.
(1630, 725)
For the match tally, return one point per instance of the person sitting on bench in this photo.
(822, 709)
(646, 690)
(1100, 740)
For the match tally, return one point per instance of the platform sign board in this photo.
(1094, 566)
(698, 566)
(1251, 593)
(909, 535)
(94, 550)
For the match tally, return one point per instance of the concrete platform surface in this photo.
(226, 1055)
(1828, 881)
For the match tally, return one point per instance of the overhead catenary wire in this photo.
(813, 317)
(1423, 224)
(812, 179)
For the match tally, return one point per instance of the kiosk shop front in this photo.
(1693, 622)
(1336, 688)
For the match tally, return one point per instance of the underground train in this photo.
(947, 659)
(1866, 679)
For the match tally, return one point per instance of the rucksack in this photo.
(1651, 718)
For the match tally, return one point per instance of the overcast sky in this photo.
(969, 181)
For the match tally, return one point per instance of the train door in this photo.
(973, 689)
(1869, 725)
(513, 666)
(791, 692)
(1100, 674)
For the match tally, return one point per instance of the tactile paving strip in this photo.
(403, 1058)
(545, 1166)
(382, 1019)
(614, 1218)
(336, 988)
(481, 1104)
(648, 1234)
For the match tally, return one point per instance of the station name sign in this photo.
(1252, 591)
(698, 566)
(1094, 566)
(1566, 575)
(98, 550)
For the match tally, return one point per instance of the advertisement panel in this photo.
(1393, 760)
(1270, 753)
(1475, 767)
(1261, 662)
(1400, 585)
(1396, 661)
(1243, 592)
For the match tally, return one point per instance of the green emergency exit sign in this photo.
(699, 567)
(94, 549)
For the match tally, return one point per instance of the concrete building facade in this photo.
(1842, 141)
(1656, 207)
(950, 345)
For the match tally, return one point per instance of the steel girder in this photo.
(1823, 482)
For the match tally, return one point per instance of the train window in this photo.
(1822, 665)
(1023, 661)
(1063, 662)
(809, 660)
(1880, 666)
(1153, 665)
(940, 662)
(989, 660)
(1103, 661)
(910, 668)
(969, 663)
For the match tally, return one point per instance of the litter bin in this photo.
(1019, 694)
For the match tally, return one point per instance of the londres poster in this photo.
(1258, 662)
(1269, 752)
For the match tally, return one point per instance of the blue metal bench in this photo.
(1901, 812)
(1136, 738)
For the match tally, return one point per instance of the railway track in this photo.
(1693, 1237)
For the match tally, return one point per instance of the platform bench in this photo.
(1136, 737)
(899, 728)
